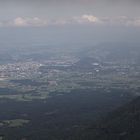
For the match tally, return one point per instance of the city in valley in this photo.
(30, 78)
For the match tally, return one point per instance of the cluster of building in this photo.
(20, 69)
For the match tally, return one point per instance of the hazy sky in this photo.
(69, 20)
(44, 12)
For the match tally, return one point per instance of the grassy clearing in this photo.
(15, 123)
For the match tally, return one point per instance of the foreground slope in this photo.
(122, 124)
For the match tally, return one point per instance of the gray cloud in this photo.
(63, 2)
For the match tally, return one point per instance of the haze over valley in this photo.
(69, 70)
